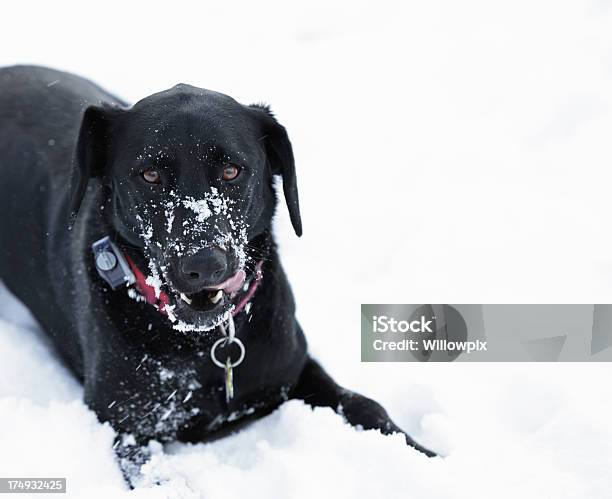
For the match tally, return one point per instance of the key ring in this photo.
(229, 337)
(226, 340)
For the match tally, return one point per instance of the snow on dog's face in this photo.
(197, 254)
(190, 174)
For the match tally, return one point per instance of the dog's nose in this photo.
(207, 267)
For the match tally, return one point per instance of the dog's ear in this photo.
(280, 156)
(89, 158)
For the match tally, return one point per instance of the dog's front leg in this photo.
(318, 389)
(131, 455)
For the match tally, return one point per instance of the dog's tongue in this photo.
(233, 283)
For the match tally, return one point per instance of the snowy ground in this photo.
(447, 152)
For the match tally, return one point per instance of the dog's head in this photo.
(190, 174)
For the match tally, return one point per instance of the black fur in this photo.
(71, 158)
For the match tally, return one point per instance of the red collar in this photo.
(252, 287)
(148, 291)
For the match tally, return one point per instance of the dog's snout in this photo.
(207, 267)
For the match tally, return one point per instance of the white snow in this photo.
(155, 282)
(537, 430)
(199, 207)
(446, 152)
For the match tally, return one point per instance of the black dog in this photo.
(181, 187)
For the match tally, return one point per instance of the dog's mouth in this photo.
(203, 301)
(214, 296)
(207, 307)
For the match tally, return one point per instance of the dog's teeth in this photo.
(185, 299)
(216, 297)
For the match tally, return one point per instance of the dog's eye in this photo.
(230, 172)
(152, 176)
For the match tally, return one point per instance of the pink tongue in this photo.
(232, 284)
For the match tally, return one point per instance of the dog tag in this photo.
(229, 380)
